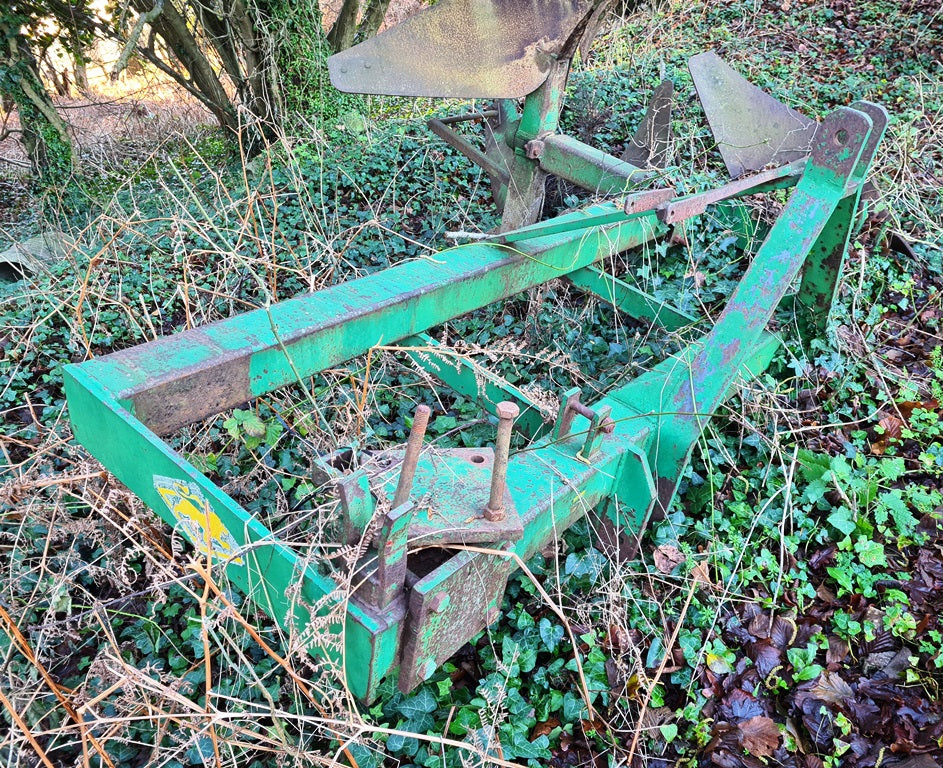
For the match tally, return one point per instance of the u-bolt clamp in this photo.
(600, 423)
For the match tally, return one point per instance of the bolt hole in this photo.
(477, 459)
(841, 137)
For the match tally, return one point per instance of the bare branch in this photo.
(13, 161)
(132, 45)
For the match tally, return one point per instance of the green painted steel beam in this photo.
(523, 195)
(630, 299)
(474, 382)
(705, 373)
(271, 575)
(827, 259)
(182, 378)
(590, 168)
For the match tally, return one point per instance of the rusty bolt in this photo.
(534, 149)
(413, 448)
(507, 412)
(428, 669)
(607, 426)
(439, 603)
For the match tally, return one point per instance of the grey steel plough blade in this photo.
(752, 128)
(650, 147)
(464, 48)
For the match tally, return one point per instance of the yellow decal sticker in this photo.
(200, 524)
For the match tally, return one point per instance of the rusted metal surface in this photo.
(507, 413)
(600, 425)
(570, 407)
(225, 385)
(386, 582)
(446, 608)
(413, 447)
(452, 489)
(752, 128)
(650, 147)
(471, 117)
(640, 202)
(463, 145)
(694, 205)
(564, 423)
(497, 49)
(534, 149)
(357, 504)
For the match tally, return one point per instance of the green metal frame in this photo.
(121, 404)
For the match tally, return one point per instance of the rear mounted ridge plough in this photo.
(441, 531)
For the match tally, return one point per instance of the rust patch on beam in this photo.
(193, 395)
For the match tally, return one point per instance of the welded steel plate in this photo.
(463, 48)
(752, 128)
(447, 608)
(450, 492)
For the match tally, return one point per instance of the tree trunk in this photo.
(341, 36)
(79, 73)
(294, 31)
(237, 41)
(45, 135)
(171, 25)
(260, 96)
(372, 19)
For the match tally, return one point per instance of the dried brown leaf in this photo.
(824, 594)
(780, 630)
(891, 426)
(617, 641)
(832, 689)
(759, 736)
(766, 657)
(701, 575)
(907, 407)
(544, 728)
(837, 651)
(667, 558)
(656, 716)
